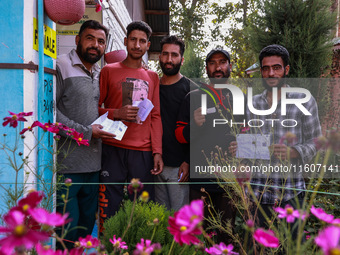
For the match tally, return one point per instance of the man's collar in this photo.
(264, 93)
(77, 61)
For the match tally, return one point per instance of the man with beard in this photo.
(139, 153)
(208, 144)
(77, 107)
(173, 88)
(291, 143)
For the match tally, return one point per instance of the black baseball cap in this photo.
(218, 50)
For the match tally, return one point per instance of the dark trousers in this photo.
(222, 204)
(120, 165)
(82, 205)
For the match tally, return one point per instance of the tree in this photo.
(193, 66)
(304, 27)
(187, 19)
(238, 15)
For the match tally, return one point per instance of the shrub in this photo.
(142, 226)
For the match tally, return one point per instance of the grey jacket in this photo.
(77, 107)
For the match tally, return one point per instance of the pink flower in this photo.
(135, 186)
(117, 243)
(190, 215)
(322, 215)
(13, 120)
(221, 248)
(47, 127)
(328, 240)
(79, 138)
(336, 222)
(266, 238)
(32, 199)
(89, 242)
(144, 248)
(75, 251)
(29, 128)
(289, 213)
(185, 223)
(46, 250)
(44, 217)
(18, 234)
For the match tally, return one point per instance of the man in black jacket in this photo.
(209, 144)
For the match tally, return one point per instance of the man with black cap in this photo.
(208, 144)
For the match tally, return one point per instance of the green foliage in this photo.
(193, 66)
(187, 20)
(304, 27)
(142, 226)
(238, 16)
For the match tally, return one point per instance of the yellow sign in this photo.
(50, 40)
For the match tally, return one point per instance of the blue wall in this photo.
(12, 98)
(11, 84)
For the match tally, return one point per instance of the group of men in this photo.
(158, 150)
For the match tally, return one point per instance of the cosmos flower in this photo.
(322, 215)
(32, 199)
(267, 238)
(117, 243)
(89, 242)
(184, 226)
(18, 234)
(47, 127)
(79, 138)
(221, 248)
(289, 213)
(144, 248)
(14, 118)
(328, 240)
(44, 217)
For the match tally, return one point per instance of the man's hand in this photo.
(183, 172)
(198, 117)
(232, 148)
(158, 164)
(281, 152)
(127, 112)
(97, 132)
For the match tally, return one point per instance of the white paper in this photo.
(253, 146)
(117, 128)
(211, 110)
(145, 106)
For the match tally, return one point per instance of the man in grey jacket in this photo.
(77, 107)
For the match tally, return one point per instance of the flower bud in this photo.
(250, 224)
(144, 197)
(68, 182)
(156, 221)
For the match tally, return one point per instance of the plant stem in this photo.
(131, 215)
(327, 155)
(171, 247)
(183, 250)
